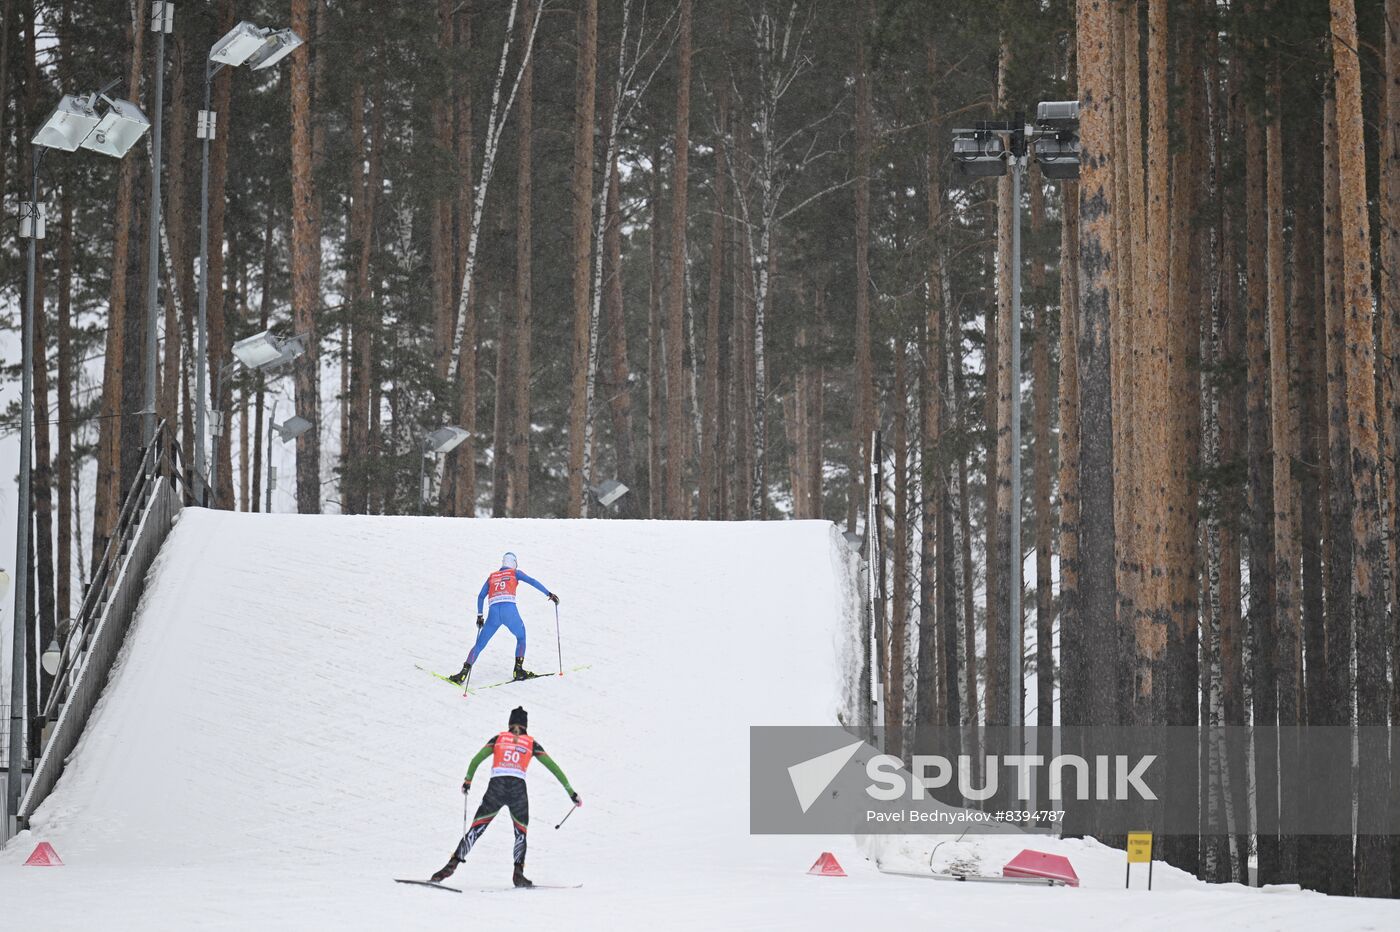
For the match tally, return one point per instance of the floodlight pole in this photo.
(162, 21)
(223, 425)
(207, 122)
(1018, 165)
(423, 478)
(20, 616)
(271, 424)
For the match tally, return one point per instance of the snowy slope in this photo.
(267, 756)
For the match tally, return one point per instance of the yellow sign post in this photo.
(1139, 852)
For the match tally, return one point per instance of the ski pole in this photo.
(560, 645)
(466, 808)
(566, 815)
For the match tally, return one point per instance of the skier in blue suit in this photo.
(498, 592)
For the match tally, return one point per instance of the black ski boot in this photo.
(520, 880)
(461, 675)
(446, 870)
(520, 672)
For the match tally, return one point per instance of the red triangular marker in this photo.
(827, 866)
(44, 856)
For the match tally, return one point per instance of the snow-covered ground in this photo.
(268, 757)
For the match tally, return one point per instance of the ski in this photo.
(428, 883)
(537, 886)
(537, 676)
(438, 675)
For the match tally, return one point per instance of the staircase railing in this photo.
(95, 636)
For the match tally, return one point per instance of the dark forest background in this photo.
(708, 248)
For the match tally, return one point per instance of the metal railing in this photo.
(91, 643)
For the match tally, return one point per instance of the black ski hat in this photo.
(518, 716)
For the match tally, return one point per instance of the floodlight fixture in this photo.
(291, 350)
(238, 45)
(71, 122)
(259, 350)
(980, 154)
(292, 428)
(1058, 155)
(445, 439)
(276, 47)
(1058, 114)
(608, 491)
(121, 127)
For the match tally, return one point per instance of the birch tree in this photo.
(628, 90)
(776, 160)
(495, 126)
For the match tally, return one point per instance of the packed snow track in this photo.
(266, 755)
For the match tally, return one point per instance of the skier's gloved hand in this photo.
(466, 787)
(576, 799)
(553, 598)
(480, 621)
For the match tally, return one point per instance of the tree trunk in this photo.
(219, 335)
(1287, 619)
(585, 84)
(1390, 323)
(969, 571)
(63, 459)
(1044, 390)
(306, 269)
(1004, 642)
(932, 479)
(1338, 566)
(1074, 672)
(1096, 279)
(442, 256)
(1127, 172)
(6, 27)
(519, 504)
(264, 313)
(621, 387)
(1368, 576)
(712, 445)
(1188, 258)
(1308, 372)
(1152, 374)
(463, 139)
(656, 441)
(1389, 310)
(365, 183)
(41, 482)
(864, 422)
(899, 632)
(677, 501)
(109, 455)
(178, 218)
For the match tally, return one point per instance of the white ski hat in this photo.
(509, 561)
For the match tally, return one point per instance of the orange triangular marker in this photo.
(44, 856)
(827, 866)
